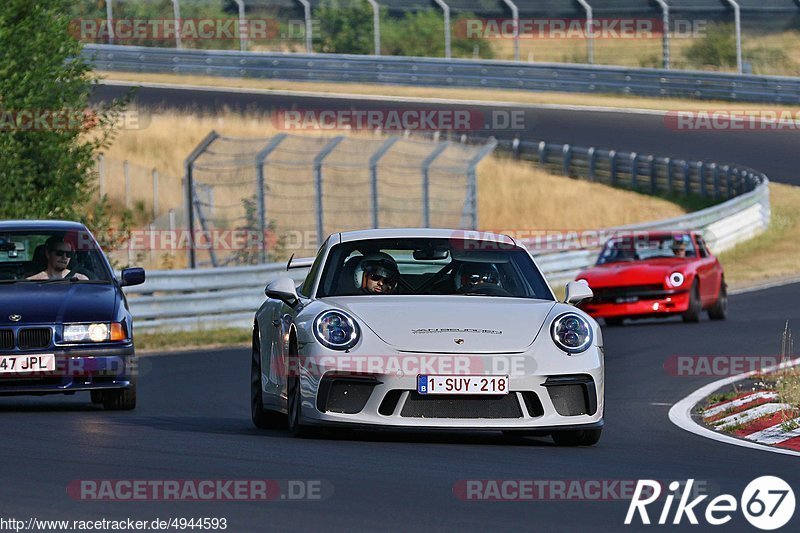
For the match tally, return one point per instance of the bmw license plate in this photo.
(462, 384)
(25, 364)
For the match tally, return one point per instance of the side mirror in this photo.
(283, 289)
(577, 291)
(132, 276)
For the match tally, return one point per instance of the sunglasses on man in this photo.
(63, 253)
(377, 277)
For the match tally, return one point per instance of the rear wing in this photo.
(302, 262)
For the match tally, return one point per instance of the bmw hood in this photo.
(48, 303)
(449, 324)
(637, 273)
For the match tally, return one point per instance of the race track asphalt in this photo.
(772, 152)
(193, 423)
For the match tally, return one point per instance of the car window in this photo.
(431, 267)
(641, 248)
(308, 283)
(35, 256)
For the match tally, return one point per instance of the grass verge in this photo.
(175, 340)
(448, 93)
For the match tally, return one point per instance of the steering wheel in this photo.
(76, 271)
(483, 289)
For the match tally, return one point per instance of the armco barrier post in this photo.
(687, 179)
(634, 170)
(728, 181)
(670, 175)
(176, 12)
(373, 177)
(701, 171)
(188, 166)
(589, 31)
(261, 158)
(446, 13)
(612, 167)
(591, 155)
(426, 165)
(542, 154)
(376, 26)
(665, 36)
(320, 157)
(515, 21)
(715, 177)
(651, 167)
(567, 153)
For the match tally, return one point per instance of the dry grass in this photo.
(511, 194)
(776, 252)
(448, 93)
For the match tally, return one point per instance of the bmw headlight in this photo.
(336, 330)
(572, 333)
(97, 332)
(675, 279)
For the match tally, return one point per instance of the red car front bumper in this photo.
(672, 302)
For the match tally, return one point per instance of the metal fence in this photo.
(310, 186)
(292, 25)
(433, 72)
(228, 297)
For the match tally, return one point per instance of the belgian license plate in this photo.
(462, 384)
(24, 364)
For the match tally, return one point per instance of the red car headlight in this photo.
(675, 279)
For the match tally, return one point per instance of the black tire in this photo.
(580, 437)
(262, 417)
(614, 322)
(720, 309)
(294, 410)
(97, 396)
(692, 314)
(120, 399)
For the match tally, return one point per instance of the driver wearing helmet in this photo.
(471, 275)
(377, 273)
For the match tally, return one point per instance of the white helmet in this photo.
(378, 263)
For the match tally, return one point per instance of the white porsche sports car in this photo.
(427, 328)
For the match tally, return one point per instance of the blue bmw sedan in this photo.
(65, 325)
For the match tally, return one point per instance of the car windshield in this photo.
(426, 266)
(640, 248)
(51, 256)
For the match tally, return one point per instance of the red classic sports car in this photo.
(656, 274)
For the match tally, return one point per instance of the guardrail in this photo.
(438, 72)
(228, 297)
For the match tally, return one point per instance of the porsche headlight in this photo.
(675, 279)
(572, 333)
(97, 332)
(336, 330)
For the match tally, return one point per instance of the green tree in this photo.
(717, 48)
(47, 166)
(344, 27)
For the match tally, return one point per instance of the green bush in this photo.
(717, 48)
(344, 28)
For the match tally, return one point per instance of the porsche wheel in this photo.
(262, 418)
(294, 409)
(580, 437)
(720, 309)
(692, 314)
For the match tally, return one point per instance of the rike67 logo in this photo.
(767, 503)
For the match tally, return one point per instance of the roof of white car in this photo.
(430, 233)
